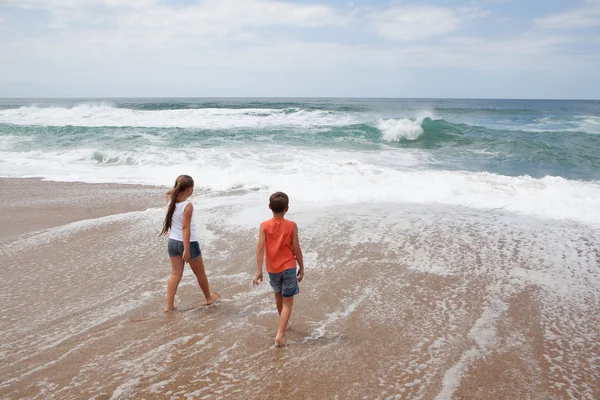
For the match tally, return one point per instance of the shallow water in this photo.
(398, 302)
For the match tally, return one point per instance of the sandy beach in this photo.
(418, 302)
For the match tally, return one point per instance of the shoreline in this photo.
(32, 204)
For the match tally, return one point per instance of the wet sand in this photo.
(419, 302)
(28, 205)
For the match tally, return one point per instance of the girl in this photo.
(183, 241)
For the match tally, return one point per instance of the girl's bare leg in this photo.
(198, 269)
(174, 279)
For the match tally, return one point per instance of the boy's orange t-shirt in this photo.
(279, 234)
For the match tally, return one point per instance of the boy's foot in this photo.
(213, 298)
(169, 309)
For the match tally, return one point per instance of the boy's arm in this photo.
(185, 227)
(260, 255)
(168, 194)
(298, 253)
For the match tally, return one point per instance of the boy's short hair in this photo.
(278, 202)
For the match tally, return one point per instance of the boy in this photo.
(279, 238)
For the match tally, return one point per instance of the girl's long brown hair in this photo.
(182, 183)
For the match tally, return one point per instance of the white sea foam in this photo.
(314, 177)
(95, 115)
(582, 123)
(9, 141)
(590, 124)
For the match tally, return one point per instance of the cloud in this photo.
(231, 34)
(412, 22)
(79, 4)
(586, 17)
(150, 46)
(473, 11)
(219, 16)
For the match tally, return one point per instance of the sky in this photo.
(277, 48)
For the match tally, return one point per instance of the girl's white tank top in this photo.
(176, 223)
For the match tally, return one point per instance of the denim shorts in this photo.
(285, 282)
(175, 248)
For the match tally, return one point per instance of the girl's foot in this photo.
(169, 309)
(279, 341)
(213, 298)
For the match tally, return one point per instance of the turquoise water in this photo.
(511, 137)
(427, 150)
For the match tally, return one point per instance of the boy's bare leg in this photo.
(284, 317)
(174, 279)
(279, 302)
(198, 269)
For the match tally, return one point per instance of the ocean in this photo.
(452, 248)
(534, 157)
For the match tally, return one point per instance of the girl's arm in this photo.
(185, 225)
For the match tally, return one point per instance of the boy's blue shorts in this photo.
(285, 282)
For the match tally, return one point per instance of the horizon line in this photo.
(294, 97)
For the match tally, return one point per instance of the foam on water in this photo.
(483, 334)
(159, 355)
(496, 258)
(350, 306)
(590, 124)
(319, 177)
(103, 115)
(8, 141)
(583, 123)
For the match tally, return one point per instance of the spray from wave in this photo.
(394, 130)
